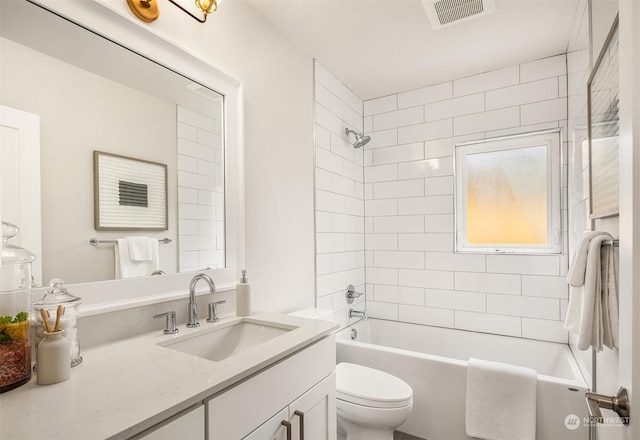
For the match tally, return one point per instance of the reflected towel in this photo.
(141, 248)
(592, 314)
(501, 401)
(127, 268)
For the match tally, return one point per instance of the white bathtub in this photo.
(433, 361)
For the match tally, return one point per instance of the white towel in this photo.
(592, 314)
(501, 401)
(579, 265)
(141, 248)
(127, 268)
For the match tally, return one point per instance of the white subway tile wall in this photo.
(200, 191)
(339, 182)
(412, 273)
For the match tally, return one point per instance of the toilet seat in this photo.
(366, 386)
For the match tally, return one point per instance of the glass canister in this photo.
(15, 288)
(55, 296)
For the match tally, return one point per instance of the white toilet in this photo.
(371, 403)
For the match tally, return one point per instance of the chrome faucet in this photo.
(358, 314)
(193, 306)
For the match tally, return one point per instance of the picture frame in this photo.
(603, 129)
(129, 194)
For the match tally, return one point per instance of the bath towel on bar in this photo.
(501, 401)
(592, 314)
(127, 267)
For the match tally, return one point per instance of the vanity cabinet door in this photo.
(272, 429)
(188, 425)
(240, 410)
(313, 415)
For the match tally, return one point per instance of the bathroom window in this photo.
(508, 194)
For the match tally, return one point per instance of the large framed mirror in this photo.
(113, 86)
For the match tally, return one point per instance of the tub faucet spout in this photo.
(193, 306)
(358, 314)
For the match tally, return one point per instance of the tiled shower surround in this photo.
(339, 194)
(412, 273)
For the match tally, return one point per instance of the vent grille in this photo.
(442, 13)
(452, 10)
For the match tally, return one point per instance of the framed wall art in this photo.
(129, 194)
(604, 128)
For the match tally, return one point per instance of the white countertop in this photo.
(125, 387)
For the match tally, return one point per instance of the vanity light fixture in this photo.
(206, 6)
(147, 10)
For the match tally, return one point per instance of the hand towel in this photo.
(593, 310)
(579, 265)
(141, 248)
(501, 401)
(127, 268)
(610, 323)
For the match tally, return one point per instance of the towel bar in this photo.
(96, 242)
(612, 243)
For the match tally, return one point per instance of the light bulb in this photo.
(207, 6)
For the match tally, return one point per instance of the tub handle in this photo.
(351, 294)
(301, 415)
(618, 403)
(287, 425)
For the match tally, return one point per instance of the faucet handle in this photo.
(170, 323)
(213, 312)
(351, 294)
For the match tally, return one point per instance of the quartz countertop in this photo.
(122, 388)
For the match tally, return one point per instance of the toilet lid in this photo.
(369, 387)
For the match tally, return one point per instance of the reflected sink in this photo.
(228, 339)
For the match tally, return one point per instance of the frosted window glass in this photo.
(507, 197)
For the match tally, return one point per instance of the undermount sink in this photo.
(228, 339)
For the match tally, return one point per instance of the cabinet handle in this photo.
(286, 424)
(301, 415)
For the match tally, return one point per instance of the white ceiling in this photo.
(381, 47)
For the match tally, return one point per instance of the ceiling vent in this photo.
(443, 13)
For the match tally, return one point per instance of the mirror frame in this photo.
(107, 20)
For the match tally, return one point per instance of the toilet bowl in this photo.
(371, 404)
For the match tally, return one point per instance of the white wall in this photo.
(339, 195)
(278, 87)
(412, 272)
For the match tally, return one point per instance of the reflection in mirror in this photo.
(91, 94)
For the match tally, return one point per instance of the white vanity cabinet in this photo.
(299, 390)
(187, 425)
(310, 417)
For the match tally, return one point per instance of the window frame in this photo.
(553, 141)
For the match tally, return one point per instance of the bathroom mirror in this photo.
(91, 94)
(121, 89)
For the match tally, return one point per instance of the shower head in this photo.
(361, 139)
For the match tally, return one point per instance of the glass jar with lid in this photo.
(58, 295)
(15, 288)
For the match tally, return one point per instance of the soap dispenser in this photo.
(243, 296)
